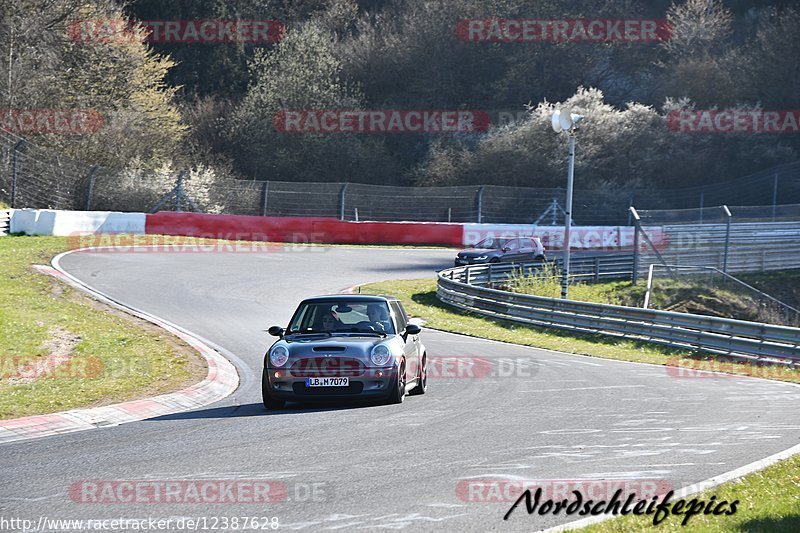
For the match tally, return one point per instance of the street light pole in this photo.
(564, 120)
(568, 215)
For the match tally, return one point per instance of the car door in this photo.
(526, 250)
(411, 347)
(512, 253)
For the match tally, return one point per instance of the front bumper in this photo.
(372, 383)
(469, 261)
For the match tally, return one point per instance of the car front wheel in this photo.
(422, 378)
(398, 393)
(269, 401)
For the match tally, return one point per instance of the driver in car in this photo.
(379, 318)
(328, 322)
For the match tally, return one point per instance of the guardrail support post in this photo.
(727, 238)
(489, 276)
(597, 269)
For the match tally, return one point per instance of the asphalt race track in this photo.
(379, 467)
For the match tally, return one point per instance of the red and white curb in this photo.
(221, 381)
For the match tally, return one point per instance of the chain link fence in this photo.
(34, 177)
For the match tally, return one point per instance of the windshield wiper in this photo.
(354, 331)
(325, 333)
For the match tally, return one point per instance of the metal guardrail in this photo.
(723, 336)
(581, 269)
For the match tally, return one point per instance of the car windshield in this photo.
(342, 316)
(492, 243)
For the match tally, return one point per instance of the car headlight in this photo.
(380, 355)
(482, 258)
(278, 356)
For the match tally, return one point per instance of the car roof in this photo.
(366, 298)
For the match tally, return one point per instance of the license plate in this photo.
(327, 382)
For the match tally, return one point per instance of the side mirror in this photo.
(413, 329)
(506, 249)
(276, 331)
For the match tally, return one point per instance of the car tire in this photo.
(494, 260)
(422, 378)
(540, 258)
(398, 393)
(269, 401)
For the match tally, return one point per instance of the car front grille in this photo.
(327, 367)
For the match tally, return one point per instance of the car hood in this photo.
(476, 252)
(337, 345)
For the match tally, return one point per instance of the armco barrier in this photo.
(581, 237)
(581, 269)
(711, 334)
(65, 223)
(295, 229)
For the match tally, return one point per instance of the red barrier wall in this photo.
(302, 229)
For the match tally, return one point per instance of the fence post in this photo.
(630, 204)
(597, 269)
(480, 203)
(90, 190)
(179, 193)
(341, 201)
(15, 150)
(702, 204)
(774, 195)
(264, 198)
(449, 214)
(649, 290)
(727, 238)
(637, 228)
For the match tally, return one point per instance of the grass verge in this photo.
(105, 355)
(769, 499)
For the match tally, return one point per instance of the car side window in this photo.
(513, 244)
(400, 316)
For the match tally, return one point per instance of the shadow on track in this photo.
(257, 409)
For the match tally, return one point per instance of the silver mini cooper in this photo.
(345, 347)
